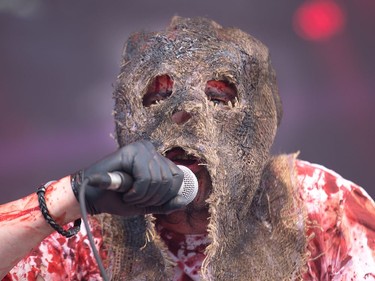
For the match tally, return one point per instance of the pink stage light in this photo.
(318, 20)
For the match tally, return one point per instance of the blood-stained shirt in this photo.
(342, 225)
(60, 259)
(340, 231)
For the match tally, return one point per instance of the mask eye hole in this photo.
(159, 89)
(221, 92)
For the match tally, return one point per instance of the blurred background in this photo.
(59, 60)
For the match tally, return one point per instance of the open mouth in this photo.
(198, 166)
(180, 157)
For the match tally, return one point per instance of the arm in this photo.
(155, 184)
(23, 226)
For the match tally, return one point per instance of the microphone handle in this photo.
(116, 181)
(122, 182)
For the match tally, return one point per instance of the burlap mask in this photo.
(232, 139)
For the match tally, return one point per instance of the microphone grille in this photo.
(189, 187)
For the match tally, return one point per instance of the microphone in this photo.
(122, 182)
(189, 186)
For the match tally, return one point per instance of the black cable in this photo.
(82, 205)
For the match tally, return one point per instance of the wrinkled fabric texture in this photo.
(341, 226)
(233, 141)
(341, 238)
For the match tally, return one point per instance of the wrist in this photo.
(61, 202)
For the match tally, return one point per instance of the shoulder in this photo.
(340, 224)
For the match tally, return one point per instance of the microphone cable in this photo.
(188, 191)
(89, 233)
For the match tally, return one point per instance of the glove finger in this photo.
(144, 189)
(146, 186)
(177, 175)
(165, 188)
(123, 159)
(160, 199)
(159, 187)
(170, 184)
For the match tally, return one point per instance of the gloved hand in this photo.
(155, 182)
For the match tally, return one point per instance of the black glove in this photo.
(155, 182)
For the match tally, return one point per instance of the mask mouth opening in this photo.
(193, 218)
(180, 156)
(198, 166)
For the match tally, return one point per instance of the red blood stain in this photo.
(25, 213)
(345, 261)
(38, 257)
(194, 259)
(61, 240)
(56, 264)
(330, 186)
(325, 241)
(159, 89)
(162, 85)
(82, 254)
(190, 256)
(369, 275)
(221, 90)
(185, 278)
(8, 216)
(58, 252)
(180, 265)
(304, 169)
(172, 239)
(219, 85)
(361, 210)
(32, 275)
(8, 277)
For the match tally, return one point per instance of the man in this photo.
(204, 97)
